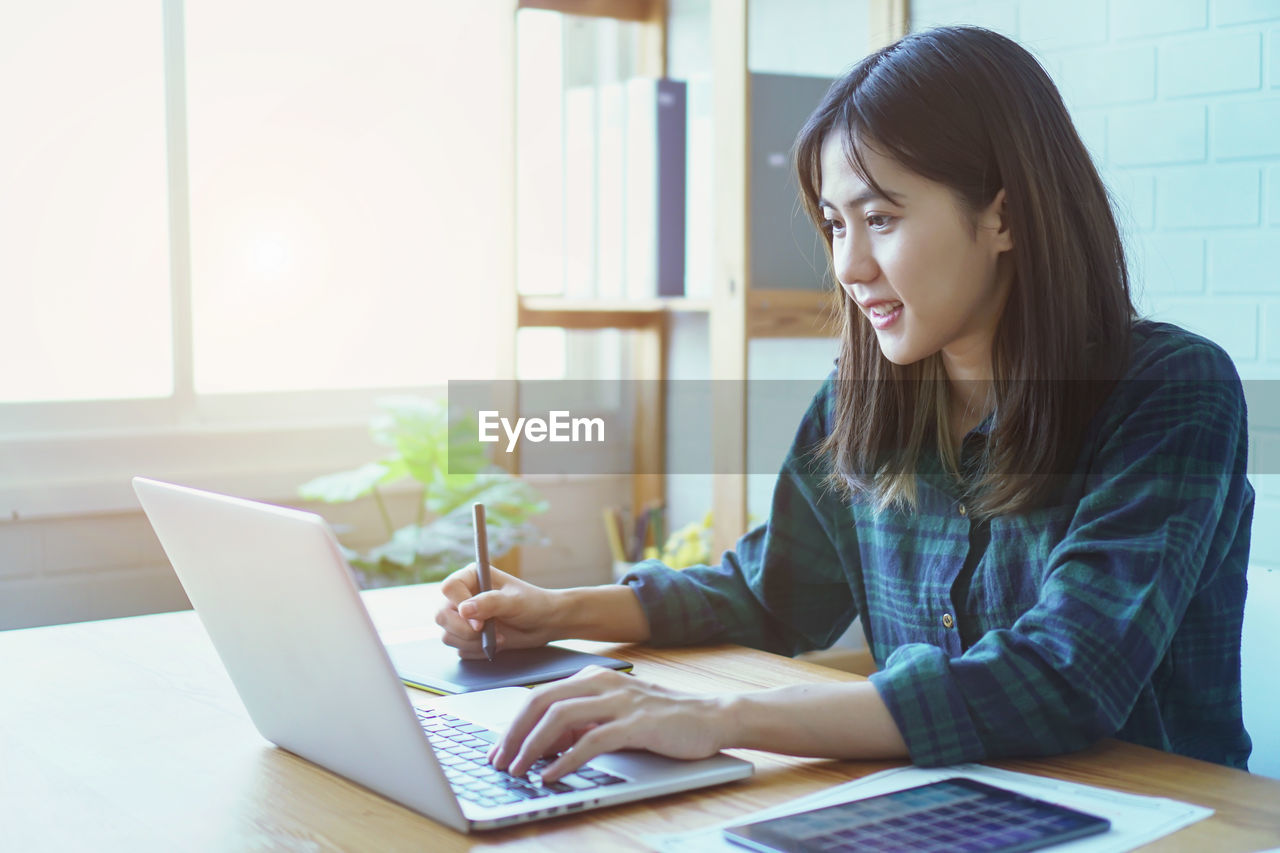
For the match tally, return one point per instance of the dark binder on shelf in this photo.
(786, 250)
(655, 158)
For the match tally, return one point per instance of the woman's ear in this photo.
(995, 223)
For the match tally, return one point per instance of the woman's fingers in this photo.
(454, 625)
(489, 605)
(590, 681)
(460, 634)
(608, 737)
(600, 711)
(584, 713)
(520, 610)
(457, 588)
(472, 649)
(460, 585)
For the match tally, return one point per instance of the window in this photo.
(236, 218)
(84, 255)
(343, 194)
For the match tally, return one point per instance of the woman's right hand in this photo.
(525, 613)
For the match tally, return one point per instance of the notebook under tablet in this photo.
(277, 600)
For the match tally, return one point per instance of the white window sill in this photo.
(76, 475)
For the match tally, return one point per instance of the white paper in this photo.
(1135, 820)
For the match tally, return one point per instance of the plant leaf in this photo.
(464, 456)
(416, 428)
(400, 550)
(507, 499)
(350, 485)
(453, 467)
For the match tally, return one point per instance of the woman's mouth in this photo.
(884, 314)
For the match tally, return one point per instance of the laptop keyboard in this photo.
(463, 751)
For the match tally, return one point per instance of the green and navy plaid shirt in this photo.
(1114, 612)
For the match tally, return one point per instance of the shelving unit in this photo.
(737, 313)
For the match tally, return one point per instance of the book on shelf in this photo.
(624, 177)
(579, 169)
(654, 245)
(611, 188)
(699, 258)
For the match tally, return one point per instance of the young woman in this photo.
(1035, 501)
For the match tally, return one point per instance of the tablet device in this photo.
(431, 665)
(952, 815)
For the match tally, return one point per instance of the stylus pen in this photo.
(488, 638)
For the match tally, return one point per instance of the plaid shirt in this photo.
(1114, 612)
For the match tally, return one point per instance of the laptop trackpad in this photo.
(493, 709)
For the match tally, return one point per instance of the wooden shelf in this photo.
(622, 10)
(601, 313)
(770, 313)
(791, 314)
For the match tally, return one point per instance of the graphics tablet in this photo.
(952, 815)
(430, 665)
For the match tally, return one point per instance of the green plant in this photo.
(449, 464)
(691, 544)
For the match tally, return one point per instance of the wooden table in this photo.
(127, 735)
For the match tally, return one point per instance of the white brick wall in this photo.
(1245, 263)
(1165, 134)
(1140, 18)
(1173, 259)
(1226, 12)
(1110, 75)
(1134, 197)
(1182, 196)
(1273, 181)
(1271, 334)
(1184, 72)
(1058, 26)
(1275, 57)
(1247, 128)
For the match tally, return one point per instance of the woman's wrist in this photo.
(610, 613)
(812, 719)
(736, 714)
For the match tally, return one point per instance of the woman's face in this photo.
(924, 272)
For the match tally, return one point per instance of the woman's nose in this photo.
(854, 263)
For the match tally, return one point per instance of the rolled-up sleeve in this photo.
(783, 587)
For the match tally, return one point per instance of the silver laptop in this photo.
(275, 595)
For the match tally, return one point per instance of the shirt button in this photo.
(963, 510)
(947, 621)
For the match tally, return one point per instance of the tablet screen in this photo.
(953, 815)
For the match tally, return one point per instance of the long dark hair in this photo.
(973, 110)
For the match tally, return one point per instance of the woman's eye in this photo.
(878, 221)
(831, 226)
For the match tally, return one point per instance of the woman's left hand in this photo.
(600, 710)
